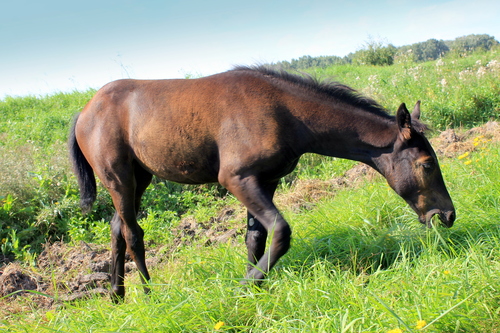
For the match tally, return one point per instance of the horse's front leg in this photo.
(257, 197)
(255, 240)
(280, 233)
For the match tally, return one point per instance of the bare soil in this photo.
(67, 273)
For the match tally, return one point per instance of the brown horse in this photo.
(245, 128)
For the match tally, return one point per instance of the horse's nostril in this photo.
(448, 218)
(451, 216)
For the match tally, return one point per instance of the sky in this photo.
(55, 46)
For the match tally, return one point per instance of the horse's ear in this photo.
(403, 119)
(416, 111)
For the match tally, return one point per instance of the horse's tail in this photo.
(83, 170)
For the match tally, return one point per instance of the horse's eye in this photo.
(428, 166)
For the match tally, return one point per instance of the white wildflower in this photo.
(481, 71)
(464, 74)
(493, 65)
(414, 72)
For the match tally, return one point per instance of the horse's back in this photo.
(184, 130)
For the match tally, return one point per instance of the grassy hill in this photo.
(360, 261)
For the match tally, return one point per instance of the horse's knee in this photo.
(255, 237)
(282, 238)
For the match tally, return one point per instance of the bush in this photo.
(376, 54)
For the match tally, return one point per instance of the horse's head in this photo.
(412, 170)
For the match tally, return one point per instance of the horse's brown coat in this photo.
(245, 129)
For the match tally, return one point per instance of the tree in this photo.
(375, 53)
(473, 42)
(308, 61)
(432, 49)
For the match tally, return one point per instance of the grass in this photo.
(454, 91)
(359, 262)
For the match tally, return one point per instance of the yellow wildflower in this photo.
(421, 324)
(446, 272)
(396, 330)
(50, 315)
(463, 156)
(468, 162)
(218, 325)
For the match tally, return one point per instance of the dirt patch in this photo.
(452, 142)
(71, 272)
(63, 273)
(305, 193)
(19, 288)
(216, 230)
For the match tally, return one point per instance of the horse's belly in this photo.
(187, 168)
(186, 172)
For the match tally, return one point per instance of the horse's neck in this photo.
(351, 133)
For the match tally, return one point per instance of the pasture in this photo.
(359, 261)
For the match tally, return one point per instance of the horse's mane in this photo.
(330, 88)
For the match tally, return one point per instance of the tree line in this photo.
(376, 52)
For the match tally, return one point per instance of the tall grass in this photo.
(359, 263)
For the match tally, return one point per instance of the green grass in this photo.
(454, 91)
(359, 262)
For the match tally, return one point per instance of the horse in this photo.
(245, 129)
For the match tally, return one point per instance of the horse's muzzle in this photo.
(447, 217)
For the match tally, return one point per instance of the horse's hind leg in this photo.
(125, 231)
(118, 247)
(142, 180)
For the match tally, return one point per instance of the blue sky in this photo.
(52, 45)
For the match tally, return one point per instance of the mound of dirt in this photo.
(451, 142)
(15, 280)
(64, 273)
(72, 272)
